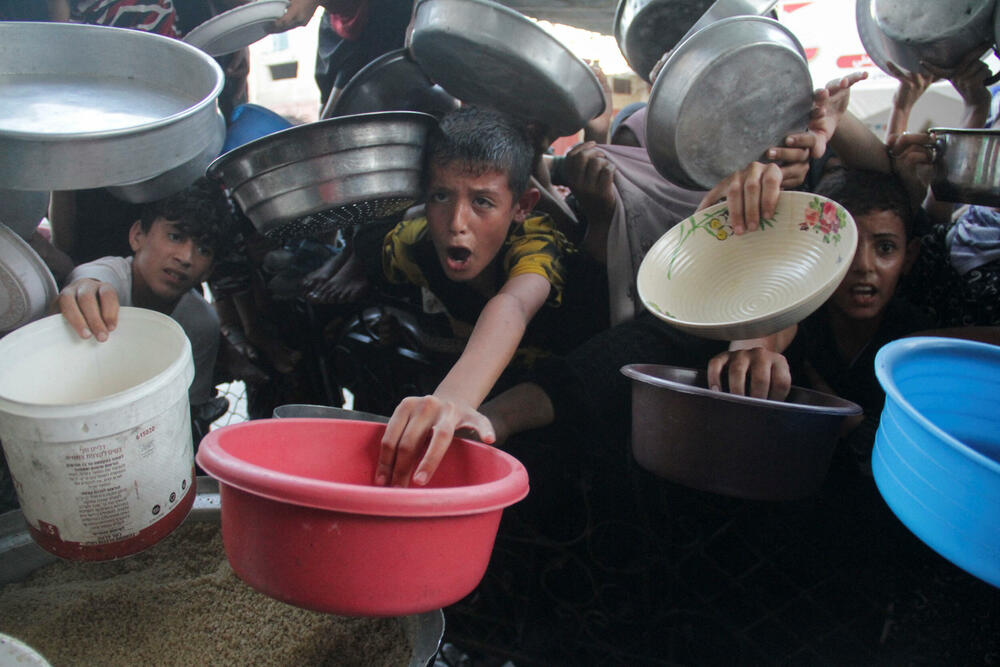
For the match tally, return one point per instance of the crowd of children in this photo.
(537, 292)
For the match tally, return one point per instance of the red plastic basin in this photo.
(303, 523)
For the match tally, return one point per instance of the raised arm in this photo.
(453, 404)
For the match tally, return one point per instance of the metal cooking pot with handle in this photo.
(966, 165)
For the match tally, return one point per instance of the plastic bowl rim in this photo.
(846, 409)
(392, 502)
(891, 352)
(733, 327)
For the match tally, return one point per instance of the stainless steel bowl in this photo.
(728, 93)
(966, 165)
(85, 106)
(20, 556)
(328, 164)
(905, 32)
(484, 53)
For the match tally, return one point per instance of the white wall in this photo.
(297, 99)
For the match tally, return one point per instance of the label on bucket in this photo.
(96, 492)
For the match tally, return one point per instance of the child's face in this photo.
(468, 217)
(883, 255)
(167, 262)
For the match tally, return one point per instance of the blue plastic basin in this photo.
(936, 459)
(249, 122)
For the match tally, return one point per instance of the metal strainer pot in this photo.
(329, 173)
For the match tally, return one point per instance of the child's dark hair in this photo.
(200, 210)
(484, 140)
(861, 191)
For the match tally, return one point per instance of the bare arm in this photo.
(453, 404)
(912, 86)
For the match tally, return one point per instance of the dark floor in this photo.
(606, 564)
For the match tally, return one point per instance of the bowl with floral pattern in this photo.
(704, 279)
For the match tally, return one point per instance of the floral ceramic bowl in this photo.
(702, 278)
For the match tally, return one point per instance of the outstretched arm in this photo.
(434, 419)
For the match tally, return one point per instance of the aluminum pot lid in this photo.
(236, 28)
(27, 286)
(392, 82)
(486, 54)
(724, 96)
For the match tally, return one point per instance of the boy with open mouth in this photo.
(493, 265)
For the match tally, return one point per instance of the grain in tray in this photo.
(180, 603)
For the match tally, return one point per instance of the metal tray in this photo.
(84, 106)
(20, 556)
(728, 93)
(487, 54)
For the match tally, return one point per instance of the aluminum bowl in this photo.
(966, 165)
(733, 445)
(905, 32)
(86, 106)
(727, 94)
(328, 164)
(485, 53)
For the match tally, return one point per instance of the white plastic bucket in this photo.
(98, 435)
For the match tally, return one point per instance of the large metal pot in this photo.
(370, 161)
(728, 93)
(966, 165)
(484, 53)
(20, 556)
(906, 32)
(84, 106)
